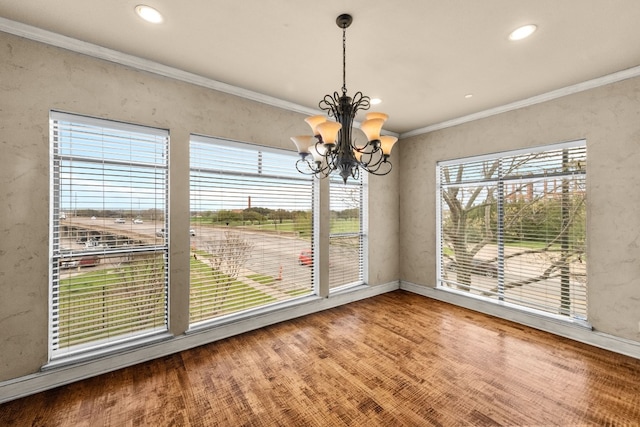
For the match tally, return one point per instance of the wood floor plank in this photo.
(398, 359)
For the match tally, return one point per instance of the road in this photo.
(272, 254)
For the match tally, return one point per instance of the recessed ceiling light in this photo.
(469, 95)
(149, 14)
(523, 32)
(375, 101)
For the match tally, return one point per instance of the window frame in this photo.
(571, 316)
(360, 234)
(267, 173)
(73, 353)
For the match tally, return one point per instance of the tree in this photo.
(465, 215)
(538, 215)
(228, 256)
(281, 214)
(252, 215)
(143, 277)
(302, 222)
(351, 213)
(226, 216)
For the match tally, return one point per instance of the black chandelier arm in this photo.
(330, 104)
(370, 148)
(380, 168)
(371, 155)
(333, 160)
(312, 168)
(307, 170)
(372, 159)
(360, 102)
(337, 105)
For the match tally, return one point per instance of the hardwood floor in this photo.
(397, 359)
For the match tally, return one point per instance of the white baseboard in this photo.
(64, 374)
(57, 376)
(562, 328)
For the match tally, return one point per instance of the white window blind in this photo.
(346, 246)
(512, 227)
(251, 228)
(109, 259)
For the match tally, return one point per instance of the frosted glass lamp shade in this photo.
(317, 151)
(374, 115)
(386, 144)
(372, 128)
(303, 143)
(314, 121)
(329, 131)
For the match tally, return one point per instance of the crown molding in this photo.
(89, 49)
(548, 96)
(85, 48)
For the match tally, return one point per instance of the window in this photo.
(346, 234)
(252, 241)
(109, 277)
(512, 228)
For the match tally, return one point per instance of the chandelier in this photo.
(332, 146)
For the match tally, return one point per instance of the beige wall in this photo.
(609, 119)
(36, 78)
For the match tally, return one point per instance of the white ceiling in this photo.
(421, 57)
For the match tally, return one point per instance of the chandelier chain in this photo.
(344, 60)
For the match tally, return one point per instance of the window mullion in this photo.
(500, 232)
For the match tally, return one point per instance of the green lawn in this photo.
(351, 225)
(262, 279)
(214, 293)
(99, 304)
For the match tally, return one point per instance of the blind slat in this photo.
(513, 228)
(110, 277)
(252, 218)
(346, 250)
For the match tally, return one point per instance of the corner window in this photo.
(109, 252)
(512, 228)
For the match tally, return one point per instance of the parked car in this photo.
(119, 221)
(479, 267)
(86, 261)
(162, 232)
(305, 258)
(92, 243)
(137, 221)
